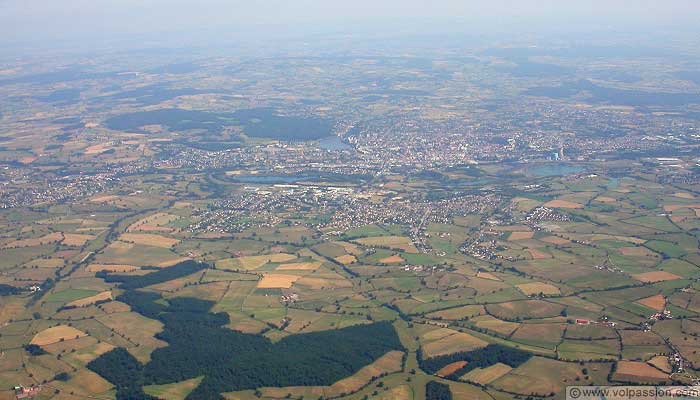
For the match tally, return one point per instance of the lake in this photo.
(555, 170)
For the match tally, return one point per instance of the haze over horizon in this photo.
(101, 21)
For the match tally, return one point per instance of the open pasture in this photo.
(458, 313)
(75, 239)
(402, 243)
(524, 309)
(86, 301)
(543, 377)
(555, 240)
(450, 342)
(496, 325)
(563, 204)
(540, 335)
(395, 259)
(536, 288)
(248, 263)
(173, 391)
(346, 259)
(638, 372)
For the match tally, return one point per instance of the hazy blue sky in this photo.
(22, 20)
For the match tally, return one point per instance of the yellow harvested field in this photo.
(115, 307)
(111, 268)
(213, 235)
(75, 240)
(402, 243)
(395, 259)
(657, 302)
(152, 228)
(636, 252)
(655, 276)
(104, 199)
(138, 329)
(153, 222)
(452, 344)
(397, 393)
(630, 239)
(675, 207)
(10, 309)
(536, 288)
(346, 259)
(106, 295)
(484, 376)
(147, 239)
(97, 149)
(57, 334)
(436, 334)
(253, 262)
(173, 391)
(450, 369)
(90, 382)
(303, 266)
(170, 263)
(683, 195)
(563, 204)
(91, 353)
(277, 281)
(350, 248)
(487, 275)
(120, 246)
(458, 313)
(45, 263)
(388, 363)
(511, 228)
(27, 160)
(520, 235)
(661, 362)
(638, 372)
(555, 240)
(493, 324)
(323, 283)
(606, 200)
(538, 255)
(46, 239)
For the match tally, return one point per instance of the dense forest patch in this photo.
(485, 357)
(7, 290)
(163, 275)
(437, 391)
(199, 345)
